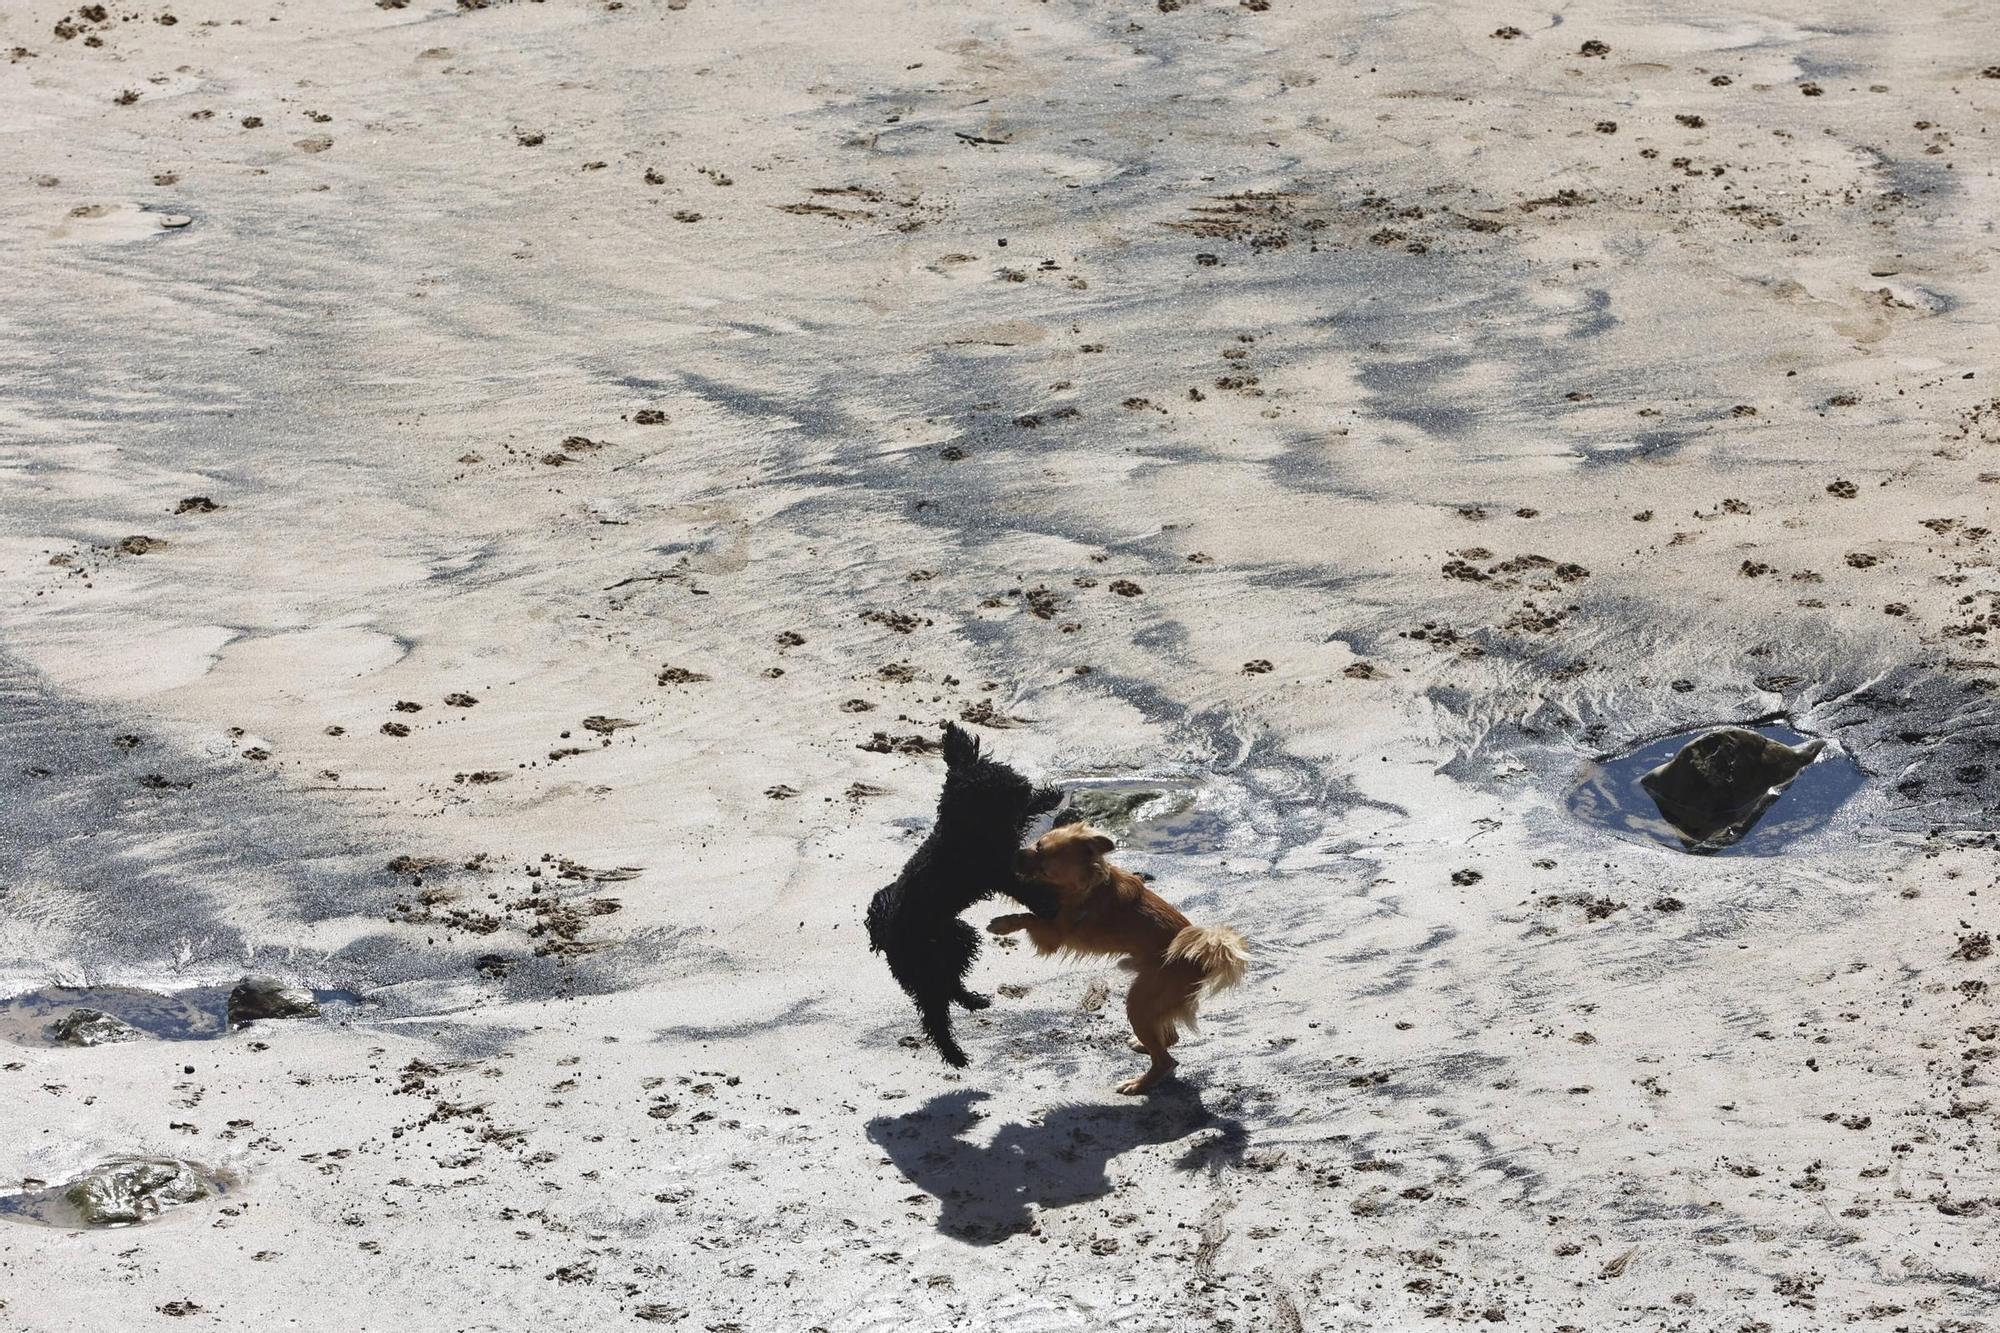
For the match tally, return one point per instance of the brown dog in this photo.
(1106, 910)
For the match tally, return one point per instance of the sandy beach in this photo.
(498, 498)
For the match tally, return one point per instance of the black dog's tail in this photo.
(937, 1026)
(960, 746)
(881, 911)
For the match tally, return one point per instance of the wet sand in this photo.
(488, 492)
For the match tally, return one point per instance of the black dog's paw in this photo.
(937, 1026)
(973, 1000)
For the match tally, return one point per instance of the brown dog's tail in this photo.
(1221, 952)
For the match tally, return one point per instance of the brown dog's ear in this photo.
(1101, 845)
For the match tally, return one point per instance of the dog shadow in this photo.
(988, 1192)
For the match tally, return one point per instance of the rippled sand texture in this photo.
(474, 482)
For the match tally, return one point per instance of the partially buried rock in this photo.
(256, 998)
(90, 1027)
(133, 1189)
(1120, 810)
(1722, 782)
(1106, 808)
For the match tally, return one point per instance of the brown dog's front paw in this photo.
(1004, 925)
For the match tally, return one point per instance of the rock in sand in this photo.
(257, 998)
(1723, 781)
(133, 1189)
(90, 1027)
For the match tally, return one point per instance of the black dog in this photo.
(982, 815)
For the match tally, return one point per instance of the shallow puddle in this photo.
(120, 1192)
(199, 1014)
(1610, 796)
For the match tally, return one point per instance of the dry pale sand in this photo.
(704, 386)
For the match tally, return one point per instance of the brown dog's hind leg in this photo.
(1173, 1039)
(1149, 1006)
